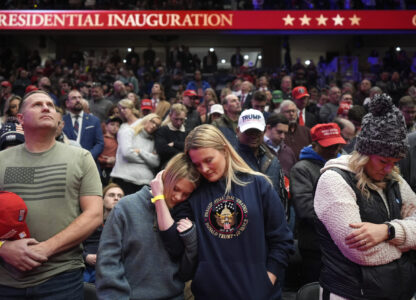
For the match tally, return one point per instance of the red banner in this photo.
(208, 20)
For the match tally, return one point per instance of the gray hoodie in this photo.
(132, 261)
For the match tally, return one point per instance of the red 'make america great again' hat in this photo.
(13, 212)
(327, 134)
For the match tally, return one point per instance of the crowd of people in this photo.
(135, 72)
(209, 185)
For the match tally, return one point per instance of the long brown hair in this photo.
(6, 111)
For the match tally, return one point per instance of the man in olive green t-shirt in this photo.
(61, 187)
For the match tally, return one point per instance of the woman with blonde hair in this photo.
(136, 158)
(132, 260)
(243, 238)
(366, 214)
(128, 112)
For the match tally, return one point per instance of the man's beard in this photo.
(77, 108)
(122, 93)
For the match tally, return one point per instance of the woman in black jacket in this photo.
(366, 214)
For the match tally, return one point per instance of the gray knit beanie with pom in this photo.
(383, 130)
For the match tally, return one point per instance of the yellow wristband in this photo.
(1, 243)
(157, 198)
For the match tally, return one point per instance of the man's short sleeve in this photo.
(90, 182)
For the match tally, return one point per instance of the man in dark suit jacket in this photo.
(237, 60)
(89, 133)
(246, 94)
(301, 97)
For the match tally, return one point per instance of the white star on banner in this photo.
(305, 20)
(321, 20)
(355, 20)
(338, 20)
(288, 20)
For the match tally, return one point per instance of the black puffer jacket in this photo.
(303, 178)
(193, 119)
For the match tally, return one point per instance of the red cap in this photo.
(30, 88)
(343, 108)
(6, 83)
(327, 134)
(146, 104)
(13, 212)
(299, 92)
(190, 93)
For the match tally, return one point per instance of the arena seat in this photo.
(89, 291)
(309, 291)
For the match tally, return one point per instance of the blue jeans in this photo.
(64, 286)
(89, 274)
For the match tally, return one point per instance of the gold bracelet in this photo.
(1, 243)
(157, 198)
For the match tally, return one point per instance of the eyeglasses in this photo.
(94, 84)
